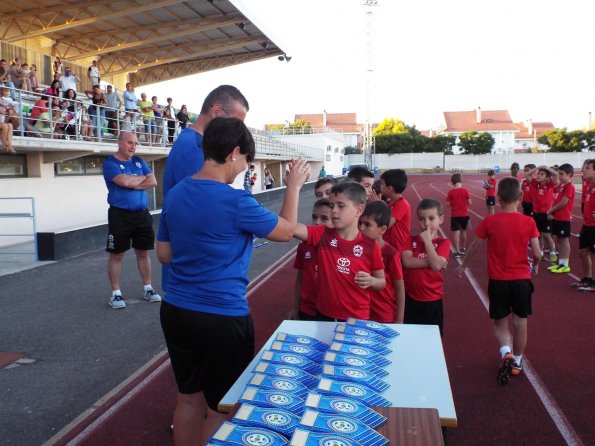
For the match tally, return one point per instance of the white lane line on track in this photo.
(96, 424)
(481, 218)
(554, 411)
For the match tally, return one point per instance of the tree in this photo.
(561, 140)
(299, 127)
(474, 143)
(352, 150)
(440, 143)
(391, 126)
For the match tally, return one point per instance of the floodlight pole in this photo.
(369, 139)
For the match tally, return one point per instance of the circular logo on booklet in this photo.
(332, 441)
(341, 425)
(355, 374)
(302, 340)
(277, 398)
(362, 332)
(355, 362)
(373, 325)
(343, 406)
(258, 438)
(363, 341)
(352, 390)
(359, 351)
(290, 359)
(299, 349)
(275, 418)
(284, 385)
(288, 373)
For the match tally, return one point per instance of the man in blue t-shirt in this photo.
(186, 156)
(127, 178)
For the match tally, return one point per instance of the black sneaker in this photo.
(584, 282)
(457, 255)
(462, 251)
(505, 369)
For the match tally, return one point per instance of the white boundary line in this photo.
(97, 423)
(554, 411)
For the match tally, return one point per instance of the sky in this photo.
(532, 58)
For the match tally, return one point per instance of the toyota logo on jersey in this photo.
(343, 265)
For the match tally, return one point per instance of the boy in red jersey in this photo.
(323, 186)
(424, 258)
(585, 186)
(362, 176)
(459, 201)
(387, 305)
(586, 241)
(514, 171)
(349, 263)
(527, 200)
(306, 265)
(560, 213)
(543, 196)
(490, 187)
(510, 288)
(393, 183)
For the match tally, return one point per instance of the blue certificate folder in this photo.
(356, 375)
(278, 420)
(299, 349)
(360, 331)
(273, 398)
(365, 341)
(304, 437)
(292, 359)
(234, 434)
(275, 382)
(345, 406)
(348, 360)
(352, 390)
(300, 339)
(287, 371)
(357, 350)
(381, 329)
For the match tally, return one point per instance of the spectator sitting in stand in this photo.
(46, 125)
(6, 136)
(5, 77)
(26, 80)
(70, 97)
(86, 124)
(9, 108)
(54, 89)
(69, 80)
(40, 106)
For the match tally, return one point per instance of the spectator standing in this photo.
(269, 179)
(57, 68)
(27, 80)
(17, 74)
(158, 112)
(97, 110)
(113, 107)
(127, 178)
(169, 112)
(69, 80)
(186, 156)
(146, 108)
(5, 77)
(33, 79)
(322, 172)
(183, 117)
(248, 183)
(93, 73)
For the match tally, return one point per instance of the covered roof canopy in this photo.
(152, 40)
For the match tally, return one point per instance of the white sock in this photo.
(504, 350)
(116, 293)
(564, 262)
(148, 287)
(518, 359)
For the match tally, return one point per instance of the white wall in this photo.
(333, 158)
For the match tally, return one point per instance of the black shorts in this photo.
(491, 201)
(543, 223)
(208, 352)
(424, 313)
(561, 229)
(586, 238)
(527, 208)
(510, 295)
(324, 318)
(129, 226)
(458, 223)
(305, 316)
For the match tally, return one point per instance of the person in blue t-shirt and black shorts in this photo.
(127, 178)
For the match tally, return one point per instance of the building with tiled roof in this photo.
(495, 122)
(345, 123)
(528, 134)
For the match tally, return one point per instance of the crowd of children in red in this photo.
(359, 259)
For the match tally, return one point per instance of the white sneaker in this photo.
(152, 296)
(117, 302)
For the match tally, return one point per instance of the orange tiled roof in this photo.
(466, 121)
(346, 122)
(539, 127)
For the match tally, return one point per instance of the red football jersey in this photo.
(508, 235)
(543, 194)
(564, 190)
(398, 234)
(491, 190)
(339, 261)
(306, 261)
(383, 303)
(527, 191)
(423, 284)
(458, 199)
(585, 190)
(589, 210)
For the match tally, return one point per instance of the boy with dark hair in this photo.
(490, 187)
(306, 264)
(424, 258)
(387, 305)
(586, 241)
(514, 170)
(362, 176)
(543, 195)
(323, 186)
(585, 185)
(560, 214)
(510, 288)
(459, 201)
(349, 263)
(393, 183)
(527, 200)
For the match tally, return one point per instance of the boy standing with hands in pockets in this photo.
(510, 288)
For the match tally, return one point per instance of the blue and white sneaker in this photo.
(117, 302)
(152, 296)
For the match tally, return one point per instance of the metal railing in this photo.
(19, 208)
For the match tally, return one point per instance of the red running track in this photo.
(552, 404)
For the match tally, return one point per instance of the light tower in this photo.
(369, 140)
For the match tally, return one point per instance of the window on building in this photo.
(87, 165)
(13, 166)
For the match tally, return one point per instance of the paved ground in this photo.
(57, 314)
